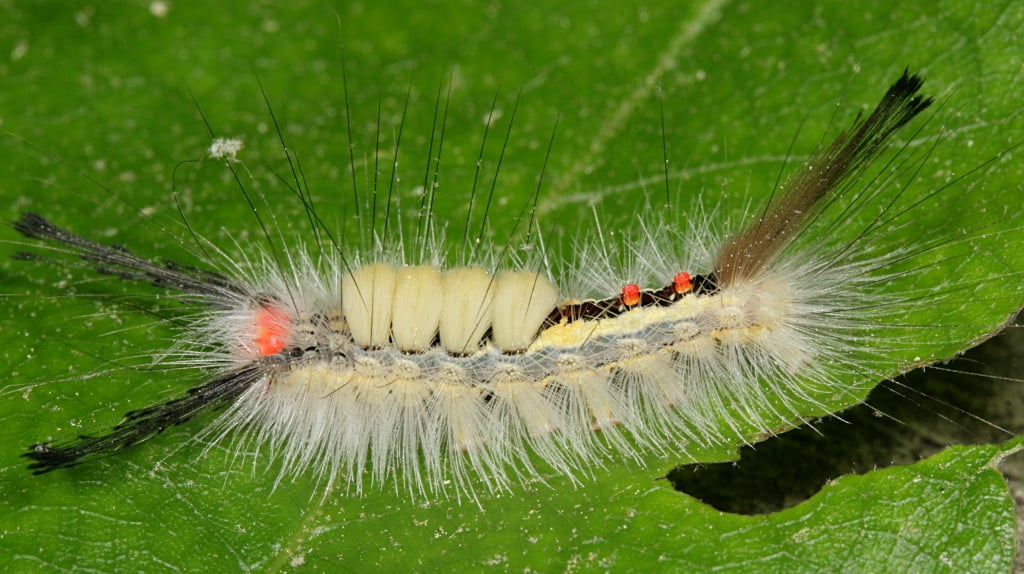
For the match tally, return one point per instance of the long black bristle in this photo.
(143, 424)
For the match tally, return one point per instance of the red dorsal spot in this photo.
(631, 295)
(682, 282)
(273, 327)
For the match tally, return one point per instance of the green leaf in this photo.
(104, 90)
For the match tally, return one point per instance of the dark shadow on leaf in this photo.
(901, 423)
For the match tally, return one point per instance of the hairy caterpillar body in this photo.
(389, 370)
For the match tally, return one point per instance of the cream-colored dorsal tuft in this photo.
(367, 299)
(417, 307)
(468, 295)
(522, 300)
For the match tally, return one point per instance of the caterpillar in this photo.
(375, 365)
